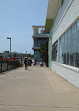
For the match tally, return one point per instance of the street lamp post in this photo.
(10, 45)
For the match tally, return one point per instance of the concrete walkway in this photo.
(37, 89)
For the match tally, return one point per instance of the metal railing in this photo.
(8, 65)
(43, 35)
(36, 45)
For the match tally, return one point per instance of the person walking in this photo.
(26, 63)
(35, 62)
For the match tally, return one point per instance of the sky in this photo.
(16, 20)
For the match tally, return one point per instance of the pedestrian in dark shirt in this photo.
(26, 63)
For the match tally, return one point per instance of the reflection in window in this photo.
(72, 52)
(77, 46)
(54, 52)
(61, 50)
(65, 48)
(68, 47)
(62, 2)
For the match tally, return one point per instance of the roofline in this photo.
(35, 48)
(53, 6)
(40, 37)
(38, 26)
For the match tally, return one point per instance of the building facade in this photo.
(1, 56)
(6, 54)
(65, 39)
(39, 36)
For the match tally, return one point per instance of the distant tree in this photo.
(44, 51)
(30, 55)
(15, 55)
(1, 57)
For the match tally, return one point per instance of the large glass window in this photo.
(61, 55)
(72, 47)
(54, 52)
(37, 56)
(62, 2)
(77, 46)
(68, 46)
(65, 48)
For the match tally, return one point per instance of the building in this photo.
(39, 36)
(64, 39)
(1, 56)
(6, 54)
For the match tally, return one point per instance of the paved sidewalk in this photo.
(37, 89)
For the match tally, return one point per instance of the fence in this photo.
(8, 65)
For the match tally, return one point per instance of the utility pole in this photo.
(10, 45)
(26, 53)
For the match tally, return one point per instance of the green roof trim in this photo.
(49, 24)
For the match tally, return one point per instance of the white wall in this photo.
(70, 16)
(69, 73)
